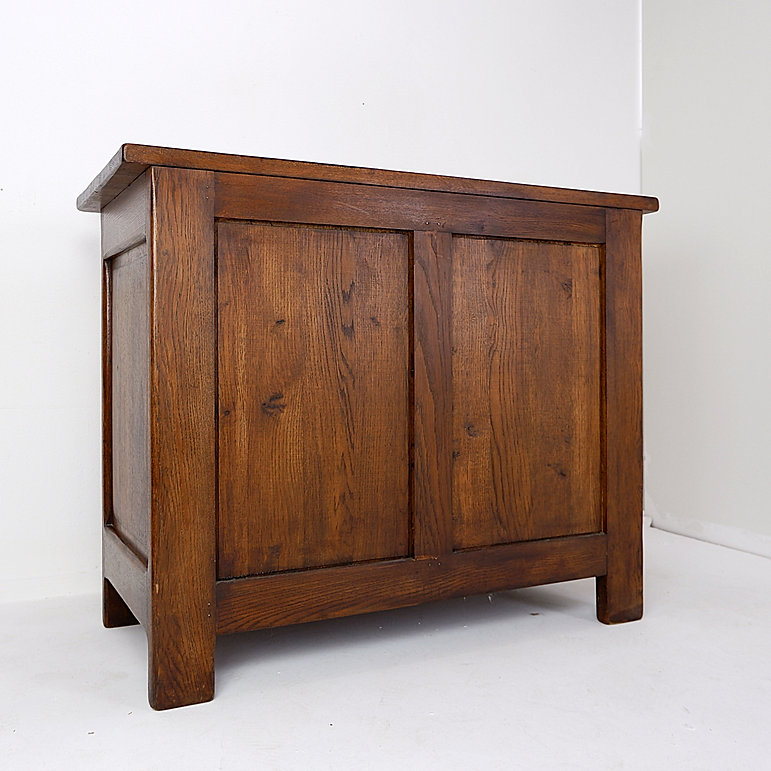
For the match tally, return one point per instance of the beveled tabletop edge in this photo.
(132, 160)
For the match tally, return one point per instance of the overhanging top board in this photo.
(131, 160)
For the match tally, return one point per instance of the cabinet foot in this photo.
(619, 598)
(180, 668)
(115, 612)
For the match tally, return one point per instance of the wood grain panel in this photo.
(241, 196)
(129, 403)
(526, 390)
(313, 396)
(311, 595)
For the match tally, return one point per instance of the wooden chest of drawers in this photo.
(331, 390)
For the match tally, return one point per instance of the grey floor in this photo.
(521, 680)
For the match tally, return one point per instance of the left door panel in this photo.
(314, 329)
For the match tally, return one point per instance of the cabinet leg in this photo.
(620, 591)
(115, 612)
(181, 666)
(620, 596)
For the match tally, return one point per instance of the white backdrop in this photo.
(707, 269)
(543, 92)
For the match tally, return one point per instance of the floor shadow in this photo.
(574, 599)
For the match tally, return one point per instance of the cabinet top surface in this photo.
(132, 160)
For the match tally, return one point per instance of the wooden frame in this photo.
(161, 395)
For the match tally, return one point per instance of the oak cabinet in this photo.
(331, 390)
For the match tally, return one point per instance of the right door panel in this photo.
(527, 390)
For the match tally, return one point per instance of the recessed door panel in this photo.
(526, 335)
(314, 396)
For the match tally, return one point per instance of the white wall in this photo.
(542, 92)
(707, 274)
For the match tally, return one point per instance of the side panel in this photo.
(314, 416)
(126, 366)
(130, 375)
(526, 331)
